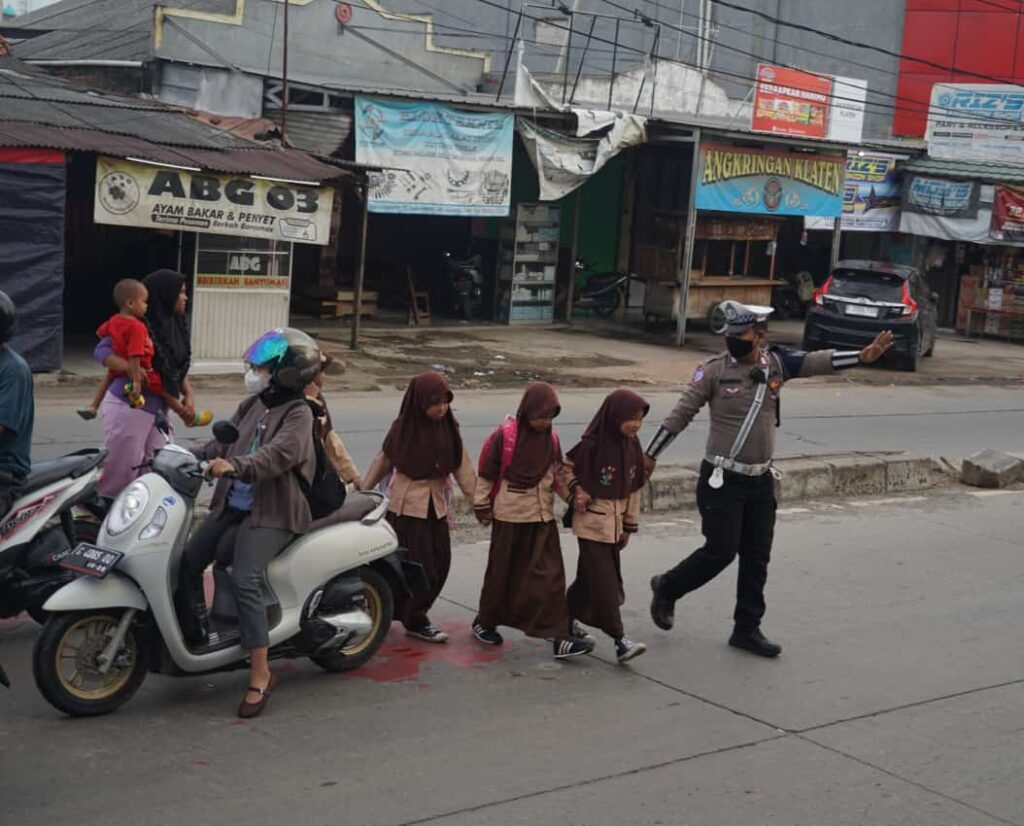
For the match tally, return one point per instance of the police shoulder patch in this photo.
(698, 374)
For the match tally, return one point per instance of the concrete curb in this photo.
(674, 487)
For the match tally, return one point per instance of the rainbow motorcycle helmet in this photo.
(290, 356)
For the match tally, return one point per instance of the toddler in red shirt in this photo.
(130, 339)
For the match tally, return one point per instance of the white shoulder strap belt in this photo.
(717, 478)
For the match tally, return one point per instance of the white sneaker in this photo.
(428, 633)
(579, 632)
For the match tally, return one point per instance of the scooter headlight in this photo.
(128, 508)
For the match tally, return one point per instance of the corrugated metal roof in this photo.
(322, 133)
(988, 172)
(275, 163)
(87, 45)
(38, 110)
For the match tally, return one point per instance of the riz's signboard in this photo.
(871, 195)
(976, 122)
(140, 195)
(766, 182)
(940, 197)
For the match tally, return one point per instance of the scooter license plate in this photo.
(91, 561)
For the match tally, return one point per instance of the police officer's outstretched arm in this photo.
(694, 396)
(821, 362)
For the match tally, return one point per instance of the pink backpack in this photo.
(509, 429)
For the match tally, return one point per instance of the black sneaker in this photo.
(626, 649)
(427, 633)
(568, 647)
(662, 609)
(577, 630)
(488, 636)
(755, 642)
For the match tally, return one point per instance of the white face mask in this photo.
(256, 381)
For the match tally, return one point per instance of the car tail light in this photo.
(909, 305)
(821, 292)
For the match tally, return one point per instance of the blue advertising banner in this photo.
(769, 182)
(941, 197)
(436, 160)
(871, 196)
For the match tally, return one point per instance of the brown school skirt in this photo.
(594, 598)
(524, 586)
(428, 543)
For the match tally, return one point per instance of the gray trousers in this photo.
(254, 548)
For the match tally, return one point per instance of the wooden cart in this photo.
(734, 239)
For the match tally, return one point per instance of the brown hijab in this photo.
(418, 446)
(535, 451)
(607, 464)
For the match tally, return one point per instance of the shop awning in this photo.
(984, 172)
(291, 164)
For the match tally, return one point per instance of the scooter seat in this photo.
(73, 465)
(356, 506)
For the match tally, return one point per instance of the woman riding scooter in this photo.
(258, 504)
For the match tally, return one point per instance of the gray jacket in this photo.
(286, 445)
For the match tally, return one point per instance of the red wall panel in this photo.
(986, 43)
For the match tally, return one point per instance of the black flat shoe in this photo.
(756, 643)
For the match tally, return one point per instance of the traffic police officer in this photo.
(736, 491)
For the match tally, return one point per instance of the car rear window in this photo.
(874, 286)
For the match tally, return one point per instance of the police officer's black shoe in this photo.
(662, 609)
(755, 642)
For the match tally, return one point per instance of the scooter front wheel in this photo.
(380, 605)
(65, 663)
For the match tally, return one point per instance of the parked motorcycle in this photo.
(330, 595)
(41, 526)
(466, 285)
(792, 297)
(603, 292)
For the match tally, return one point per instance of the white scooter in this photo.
(330, 595)
(41, 526)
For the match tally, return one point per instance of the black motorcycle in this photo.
(466, 285)
(793, 296)
(603, 292)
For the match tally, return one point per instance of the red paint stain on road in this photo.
(400, 657)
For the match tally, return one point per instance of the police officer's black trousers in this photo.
(738, 519)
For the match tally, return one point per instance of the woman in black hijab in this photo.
(168, 327)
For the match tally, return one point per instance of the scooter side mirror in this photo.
(225, 432)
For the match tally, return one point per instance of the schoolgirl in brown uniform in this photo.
(604, 474)
(422, 451)
(524, 586)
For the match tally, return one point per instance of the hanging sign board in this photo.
(871, 195)
(769, 182)
(1008, 214)
(940, 197)
(437, 160)
(139, 195)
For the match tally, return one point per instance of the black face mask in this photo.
(738, 347)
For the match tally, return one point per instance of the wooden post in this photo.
(837, 235)
(364, 193)
(732, 258)
(572, 257)
(746, 258)
(691, 226)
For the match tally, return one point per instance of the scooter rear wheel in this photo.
(380, 605)
(65, 668)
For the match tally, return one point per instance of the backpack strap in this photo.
(509, 431)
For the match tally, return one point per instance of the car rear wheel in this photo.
(911, 358)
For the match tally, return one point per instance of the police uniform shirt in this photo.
(728, 387)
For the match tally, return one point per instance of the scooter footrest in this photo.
(217, 641)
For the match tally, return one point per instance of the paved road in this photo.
(898, 700)
(816, 418)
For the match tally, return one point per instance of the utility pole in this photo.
(284, 81)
